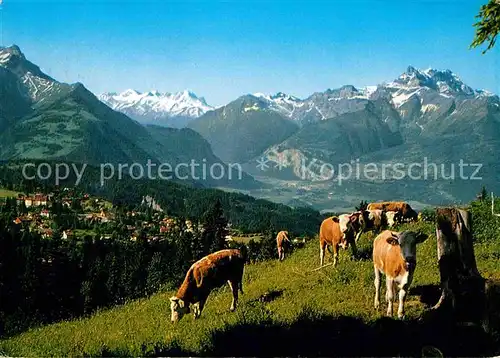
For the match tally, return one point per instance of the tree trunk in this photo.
(461, 283)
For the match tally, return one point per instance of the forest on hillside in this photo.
(46, 276)
(244, 212)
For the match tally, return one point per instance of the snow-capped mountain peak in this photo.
(13, 58)
(155, 107)
(284, 97)
(280, 102)
(277, 97)
(11, 53)
(442, 81)
(37, 85)
(130, 93)
(155, 93)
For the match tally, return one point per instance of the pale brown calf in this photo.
(203, 276)
(395, 256)
(330, 234)
(281, 241)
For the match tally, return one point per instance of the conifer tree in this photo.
(215, 228)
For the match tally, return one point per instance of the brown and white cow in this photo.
(395, 256)
(376, 217)
(393, 218)
(354, 223)
(210, 272)
(282, 241)
(365, 220)
(404, 208)
(330, 234)
(377, 220)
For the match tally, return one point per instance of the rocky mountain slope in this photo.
(243, 129)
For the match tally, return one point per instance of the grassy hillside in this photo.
(285, 310)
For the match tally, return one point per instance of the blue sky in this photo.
(222, 50)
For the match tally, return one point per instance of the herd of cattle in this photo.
(394, 255)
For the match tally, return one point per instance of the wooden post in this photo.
(461, 282)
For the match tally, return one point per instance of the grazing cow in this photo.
(281, 241)
(330, 234)
(376, 217)
(395, 256)
(377, 220)
(356, 222)
(366, 220)
(404, 208)
(393, 218)
(203, 276)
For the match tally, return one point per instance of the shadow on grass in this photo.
(429, 294)
(151, 350)
(271, 295)
(364, 253)
(348, 336)
(324, 335)
(314, 334)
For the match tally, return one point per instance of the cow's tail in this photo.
(240, 285)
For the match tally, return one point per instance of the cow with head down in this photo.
(282, 242)
(336, 232)
(363, 221)
(395, 256)
(355, 223)
(374, 220)
(203, 276)
(377, 220)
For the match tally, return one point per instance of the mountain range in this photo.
(422, 115)
(283, 142)
(41, 118)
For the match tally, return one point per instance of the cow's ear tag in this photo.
(393, 240)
